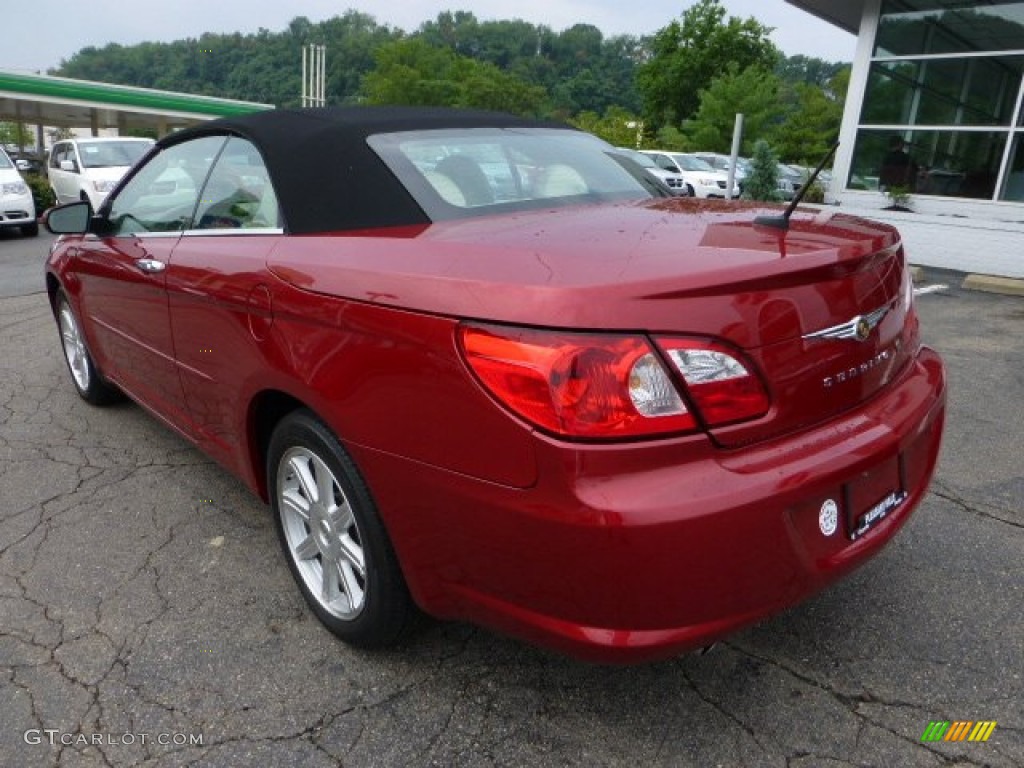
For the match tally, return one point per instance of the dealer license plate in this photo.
(878, 513)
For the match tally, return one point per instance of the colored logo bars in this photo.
(961, 730)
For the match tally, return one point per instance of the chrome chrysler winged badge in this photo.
(857, 329)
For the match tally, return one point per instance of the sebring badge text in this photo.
(857, 371)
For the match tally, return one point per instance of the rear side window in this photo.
(455, 173)
(238, 193)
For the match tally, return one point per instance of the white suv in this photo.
(17, 208)
(701, 179)
(89, 169)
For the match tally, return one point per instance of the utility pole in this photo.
(737, 140)
(314, 75)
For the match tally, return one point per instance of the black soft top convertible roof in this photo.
(326, 176)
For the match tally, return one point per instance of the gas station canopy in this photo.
(61, 102)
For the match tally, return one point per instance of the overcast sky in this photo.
(38, 34)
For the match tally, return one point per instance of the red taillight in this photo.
(577, 384)
(605, 386)
(723, 388)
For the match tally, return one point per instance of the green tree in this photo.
(754, 92)
(60, 133)
(15, 135)
(763, 181)
(687, 55)
(351, 41)
(578, 67)
(808, 69)
(592, 73)
(670, 138)
(413, 72)
(812, 126)
(501, 43)
(265, 66)
(617, 126)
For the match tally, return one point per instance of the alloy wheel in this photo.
(322, 535)
(74, 347)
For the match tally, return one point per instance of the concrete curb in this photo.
(1006, 286)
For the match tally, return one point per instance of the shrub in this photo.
(41, 192)
(815, 193)
(899, 197)
(763, 181)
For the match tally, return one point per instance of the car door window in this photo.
(162, 196)
(238, 193)
(56, 155)
(62, 154)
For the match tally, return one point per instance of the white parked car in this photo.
(701, 179)
(89, 169)
(17, 208)
(790, 181)
(721, 163)
(674, 181)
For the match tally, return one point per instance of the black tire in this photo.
(690, 191)
(363, 599)
(87, 378)
(31, 230)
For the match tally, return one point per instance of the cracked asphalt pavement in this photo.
(147, 616)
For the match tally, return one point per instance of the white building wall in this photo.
(968, 235)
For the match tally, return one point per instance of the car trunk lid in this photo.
(674, 267)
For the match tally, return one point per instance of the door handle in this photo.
(150, 266)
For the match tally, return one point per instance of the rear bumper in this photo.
(627, 553)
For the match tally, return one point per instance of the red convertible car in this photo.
(482, 366)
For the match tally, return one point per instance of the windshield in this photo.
(644, 161)
(5, 161)
(111, 154)
(721, 163)
(688, 163)
(477, 171)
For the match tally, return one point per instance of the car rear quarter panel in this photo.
(392, 381)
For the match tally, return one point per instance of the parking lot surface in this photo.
(147, 616)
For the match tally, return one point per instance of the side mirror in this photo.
(68, 165)
(69, 219)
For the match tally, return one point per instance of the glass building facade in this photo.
(945, 87)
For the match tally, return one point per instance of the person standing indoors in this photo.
(898, 167)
